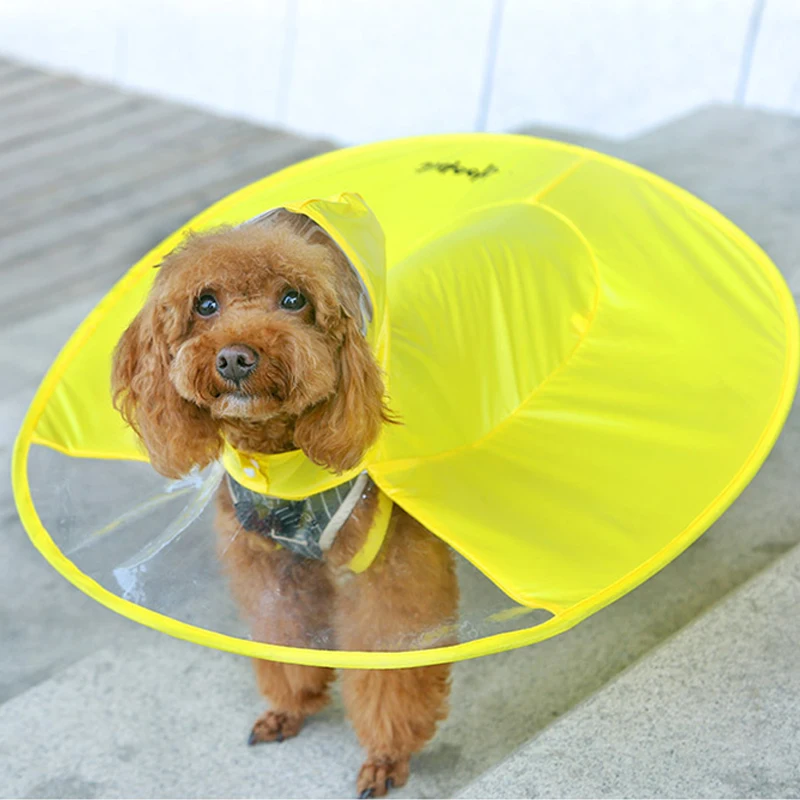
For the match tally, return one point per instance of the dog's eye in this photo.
(292, 300)
(206, 305)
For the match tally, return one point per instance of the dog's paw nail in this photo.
(279, 738)
(389, 784)
(252, 739)
(366, 793)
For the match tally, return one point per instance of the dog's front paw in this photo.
(275, 726)
(377, 776)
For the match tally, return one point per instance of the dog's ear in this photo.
(337, 432)
(177, 434)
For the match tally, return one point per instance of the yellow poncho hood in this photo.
(589, 365)
(356, 231)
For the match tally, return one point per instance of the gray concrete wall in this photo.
(357, 71)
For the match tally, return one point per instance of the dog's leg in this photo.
(294, 694)
(287, 600)
(407, 599)
(295, 611)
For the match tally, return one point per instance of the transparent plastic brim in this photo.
(151, 542)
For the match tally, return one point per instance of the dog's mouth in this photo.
(244, 396)
(238, 404)
(244, 402)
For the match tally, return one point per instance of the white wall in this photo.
(359, 70)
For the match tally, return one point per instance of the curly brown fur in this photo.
(316, 386)
(313, 384)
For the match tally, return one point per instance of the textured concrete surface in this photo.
(715, 712)
(90, 179)
(150, 717)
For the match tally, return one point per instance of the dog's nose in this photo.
(236, 362)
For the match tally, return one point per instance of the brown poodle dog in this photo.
(253, 334)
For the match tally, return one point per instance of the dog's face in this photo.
(244, 328)
(258, 324)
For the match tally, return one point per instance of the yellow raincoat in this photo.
(590, 365)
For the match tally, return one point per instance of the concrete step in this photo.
(714, 712)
